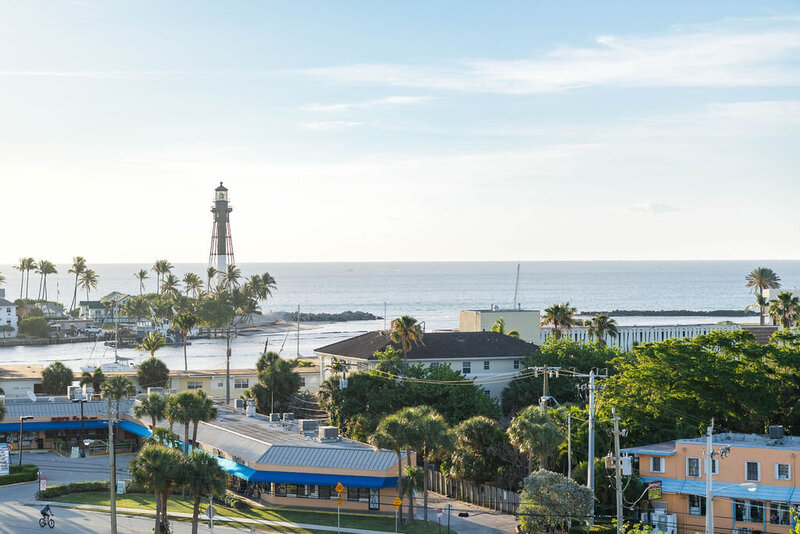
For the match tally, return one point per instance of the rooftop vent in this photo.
(288, 417)
(160, 391)
(328, 433)
(240, 404)
(307, 427)
(775, 432)
(251, 408)
(274, 418)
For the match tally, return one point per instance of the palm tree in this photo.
(533, 432)
(21, 268)
(30, 265)
(117, 387)
(169, 286)
(151, 343)
(388, 436)
(152, 406)
(135, 308)
(159, 468)
(203, 476)
(560, 316)
(433, 439)
(78, 266)
(161, 267)
(785, 308)
(759, 279)
(2, 279)
(405, 331)
(185, 322)
(499, 326)
(602, 325)
(202, 410)
(88, 281)
(230, 278)
(141, 276)
(180, 408)
(211, 273)
(192, 284)
(45, 268)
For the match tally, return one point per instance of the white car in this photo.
(93, 330)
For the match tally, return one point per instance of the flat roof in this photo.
(203, 373)
(59, 407)
(255, 439)
(21, 372)
(731, 439)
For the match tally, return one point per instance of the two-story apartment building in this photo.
(486, 357)
(754, 482)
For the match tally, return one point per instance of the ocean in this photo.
(432, 292)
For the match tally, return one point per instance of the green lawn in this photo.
(176, 504)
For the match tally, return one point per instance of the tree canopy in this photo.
(152, 373)
(55, 378)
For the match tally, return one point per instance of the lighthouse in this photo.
(221, 254)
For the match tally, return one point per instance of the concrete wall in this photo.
(526, 322)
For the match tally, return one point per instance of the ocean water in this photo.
(431, 292)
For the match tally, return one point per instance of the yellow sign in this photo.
(397, 502)
(339, 501)
(339, 488)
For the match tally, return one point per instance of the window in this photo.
(779, 513)
(466, 368)
(697, 505)
(280, 490)
(241, 383)
(302, 491)
(220, 384)
(516, 365)
(374, 499)
(325, 492)
(487, 392)
(302, 381)
(752, 471)
(192, 384)
(358, 494)
(692, 467)
(435, 365)
(486, 365)
(291, 490)
(656, 464)
(749, 511)
(714, 466)
(783, 472)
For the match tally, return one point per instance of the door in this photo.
(374, 499)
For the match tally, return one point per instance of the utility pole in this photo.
(543, 400)
(228, 366)
(709, 491)
(569, 444)
(617, 471)
(590, 462)
(112, 466)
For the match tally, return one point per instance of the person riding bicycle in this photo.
(46, 512)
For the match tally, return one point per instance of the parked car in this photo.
(93, 330)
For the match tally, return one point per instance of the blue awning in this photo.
(133, 428)
(726, 489)
(49, 425)
(317, 479)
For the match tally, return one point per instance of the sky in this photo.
(391, 131)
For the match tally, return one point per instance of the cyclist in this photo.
(46, 512)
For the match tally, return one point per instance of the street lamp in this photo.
(112, 483)
(710, 502)
(22, 418)
(82, 402)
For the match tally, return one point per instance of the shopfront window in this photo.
(779, 513)
(280, 490)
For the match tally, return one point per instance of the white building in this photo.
(490, 358)
(630, 336)
(8, 316)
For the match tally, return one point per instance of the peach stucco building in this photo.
(767, 461)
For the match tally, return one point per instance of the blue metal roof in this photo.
(281, 477)
(725, 489)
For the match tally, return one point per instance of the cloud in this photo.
(653, 208)
(368, 104)
(756, 53)
(329, 126)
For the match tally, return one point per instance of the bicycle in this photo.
(50, 522)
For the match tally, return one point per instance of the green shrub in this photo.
(76, 487)
(34, 327)
(26, 473)
(232, 501)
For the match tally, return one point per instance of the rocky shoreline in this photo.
(332, 317)
(675, 313)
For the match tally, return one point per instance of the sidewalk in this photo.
(480, 520)
(217, 518)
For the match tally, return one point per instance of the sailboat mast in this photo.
(516, 287)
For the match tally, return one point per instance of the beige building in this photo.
(526, 322)
(18, 380)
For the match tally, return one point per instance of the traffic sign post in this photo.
(339, 489)
(439, 518)
(397, 503)
(449, 508)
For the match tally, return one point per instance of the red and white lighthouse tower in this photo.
(221, 254)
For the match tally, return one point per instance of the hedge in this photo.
(26, 473)
(76, 487)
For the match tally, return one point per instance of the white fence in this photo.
(630, 336)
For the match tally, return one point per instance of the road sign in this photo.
(439, 513)
(654, 490)
(339, 488)
(397, 502)
(210, 512)
(338, 501)
(5, 459)
(42, 484)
